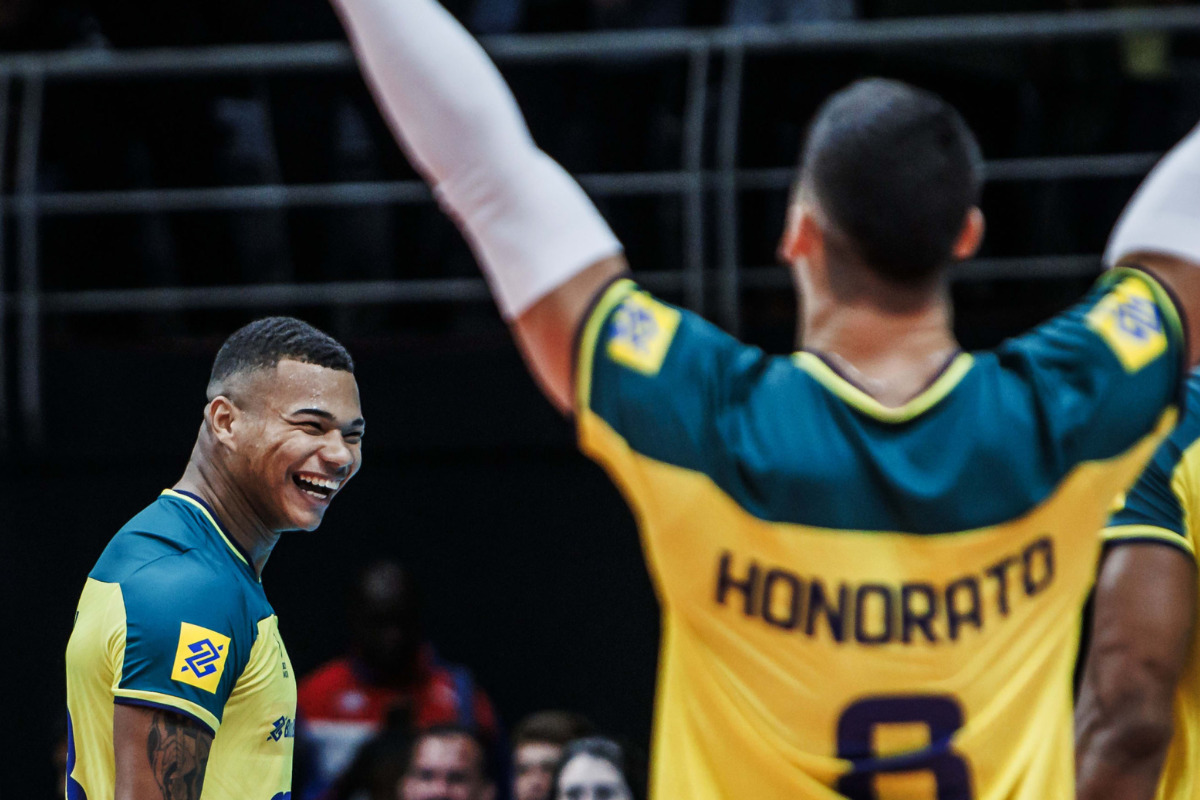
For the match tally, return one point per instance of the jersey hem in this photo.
(196, 714)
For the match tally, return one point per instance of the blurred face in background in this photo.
(446, 767)
(385, 623)
(586, 777)
(533, 767)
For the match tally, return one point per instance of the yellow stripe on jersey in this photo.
(158, 698)
(216, 526)
(609, 298)
(857, 398)
(1122, 532)
(1128, 320)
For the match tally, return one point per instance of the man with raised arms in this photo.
(871, 555)
(178, 683)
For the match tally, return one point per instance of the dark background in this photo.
(527, 557)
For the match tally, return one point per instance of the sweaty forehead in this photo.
(293, 385)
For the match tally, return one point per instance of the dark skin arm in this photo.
(1145, 608)
(159, 755)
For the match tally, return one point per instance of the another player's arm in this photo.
(1141, 633)
(159, 755)
(1160, 230)
(543, 246)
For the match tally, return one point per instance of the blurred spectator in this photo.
(765, 12)
(389, 672)
(538, 742)
(448, 762)
(599, 768)
(376, 771)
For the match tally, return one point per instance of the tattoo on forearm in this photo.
(178, 755)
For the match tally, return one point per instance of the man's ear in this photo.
(802, 235)
(221, 415)
(970, 237)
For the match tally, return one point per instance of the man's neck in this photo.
(233, 509)
(893, 355)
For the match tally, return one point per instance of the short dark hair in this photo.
(896, 169)
(265, 342)
(552, 727)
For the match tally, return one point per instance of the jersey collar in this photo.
(213, 520)
(844, 389)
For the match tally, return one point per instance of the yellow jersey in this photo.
(1162, 507)
(866, 601)
(173, 616)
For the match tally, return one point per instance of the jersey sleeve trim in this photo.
(850, 394)
(590, 334)
(139, 697)
(1126, 534)
(1172, 313)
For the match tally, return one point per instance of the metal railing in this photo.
(23, 211)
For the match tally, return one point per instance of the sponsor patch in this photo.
(200, 657)
(640, 333)
(1130, 323)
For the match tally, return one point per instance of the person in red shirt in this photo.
(391, 679)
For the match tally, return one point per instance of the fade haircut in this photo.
(264, 343)
(895, 169)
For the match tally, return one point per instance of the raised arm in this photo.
(541, 243)
(1145, 613)
(159, 755)
(1160, 230)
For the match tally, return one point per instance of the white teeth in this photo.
(324, 483)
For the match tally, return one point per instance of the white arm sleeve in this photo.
(1164, 214)
(530, 225)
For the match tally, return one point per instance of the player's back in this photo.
(878, 601)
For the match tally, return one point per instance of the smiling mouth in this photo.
(320, 488)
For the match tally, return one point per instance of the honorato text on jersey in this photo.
(883, 612)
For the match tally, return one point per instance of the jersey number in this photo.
(940, 714)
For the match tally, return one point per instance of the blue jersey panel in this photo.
(995, 438)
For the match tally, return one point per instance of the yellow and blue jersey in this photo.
(1164, 507)
(867, 601)
(173, 616)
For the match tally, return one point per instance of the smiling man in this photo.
(177, 678)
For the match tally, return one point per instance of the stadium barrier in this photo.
(22, 211)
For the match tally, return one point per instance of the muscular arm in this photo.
(538, 239)
(546, 333)
(1144, 617)
(159, 755)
